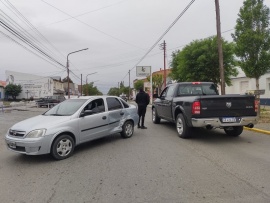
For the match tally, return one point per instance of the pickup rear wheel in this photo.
(234, 130)
(155, 117)
(182, 129)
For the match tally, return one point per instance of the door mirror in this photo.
(155, 96)
(86, 113)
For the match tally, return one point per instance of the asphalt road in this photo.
(155, 165)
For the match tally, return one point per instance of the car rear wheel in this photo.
(62, 147)
(155, 117)
(127, 129)
(234, 130)
(182, 129)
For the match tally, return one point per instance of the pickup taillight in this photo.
(196, 107)
(256, 105)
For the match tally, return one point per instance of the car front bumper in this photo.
(29, 146)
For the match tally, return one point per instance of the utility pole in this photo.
(68, 67)
(163, 47)
(220, 53)
(81, 85)
(128, 85)
(118, 90)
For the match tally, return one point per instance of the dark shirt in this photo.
(142, 99)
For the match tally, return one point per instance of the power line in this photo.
(166, 31)
(91, 26)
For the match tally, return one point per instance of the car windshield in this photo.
(66, 108)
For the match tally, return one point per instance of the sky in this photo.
(117, 33)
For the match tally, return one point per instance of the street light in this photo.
(68, 67)
(89, 74)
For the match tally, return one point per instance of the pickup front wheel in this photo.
(234, 130)
(181, 127)
(155, 117)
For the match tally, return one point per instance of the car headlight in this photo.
(36, 133)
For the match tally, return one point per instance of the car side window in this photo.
(125, 104)
(96, 106)
(170, 91)
(113, 103)
(164, 93)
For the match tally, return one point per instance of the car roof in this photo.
(94, 97)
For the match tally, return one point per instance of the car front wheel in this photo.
(62, 147)
(155, 117)
(127, 129)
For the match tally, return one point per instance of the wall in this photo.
(32, 85)
(241, 84)
(2, 96)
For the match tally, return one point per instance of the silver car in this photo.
(70, 123)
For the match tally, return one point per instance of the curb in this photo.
(258, 130)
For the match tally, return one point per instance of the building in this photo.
(242, 84)
(34, 86)
(2, 91)
(147, 85)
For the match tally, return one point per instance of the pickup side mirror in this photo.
(155, 96)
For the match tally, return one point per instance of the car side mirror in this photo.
(86, 113)
(155, 96)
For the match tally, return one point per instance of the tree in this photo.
(252, 37)
(13, 90)
(113, 91)
(90, 89)
(198, 61)
(157, 81)
(138, 85)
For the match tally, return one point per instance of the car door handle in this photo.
(122, 113)
(104, 117)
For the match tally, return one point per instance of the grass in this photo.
(264, 115)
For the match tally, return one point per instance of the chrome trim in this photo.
(215, 122)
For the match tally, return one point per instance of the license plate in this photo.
(229, 120)
(12, 145)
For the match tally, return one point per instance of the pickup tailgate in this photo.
(227, 106)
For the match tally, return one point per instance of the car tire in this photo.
(182, 129)
(62, 147)
(127, 129)
(234, 131)
(155, 117)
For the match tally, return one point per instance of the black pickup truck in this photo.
(197, 104)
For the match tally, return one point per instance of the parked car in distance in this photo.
(70, 123)
(124, 97)
(50, 101)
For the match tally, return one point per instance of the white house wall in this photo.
(2, 95)
(241, 84)
(32, 85)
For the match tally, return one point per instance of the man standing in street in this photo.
(142, 100)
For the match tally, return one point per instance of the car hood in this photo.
(39, 122)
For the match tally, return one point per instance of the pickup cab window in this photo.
(203, 89)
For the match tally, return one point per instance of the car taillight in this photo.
(256, 105)
(196, 83)
(196, 107)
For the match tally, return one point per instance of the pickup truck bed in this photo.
(198, 104)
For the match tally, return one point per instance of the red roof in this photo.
(3, 83)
